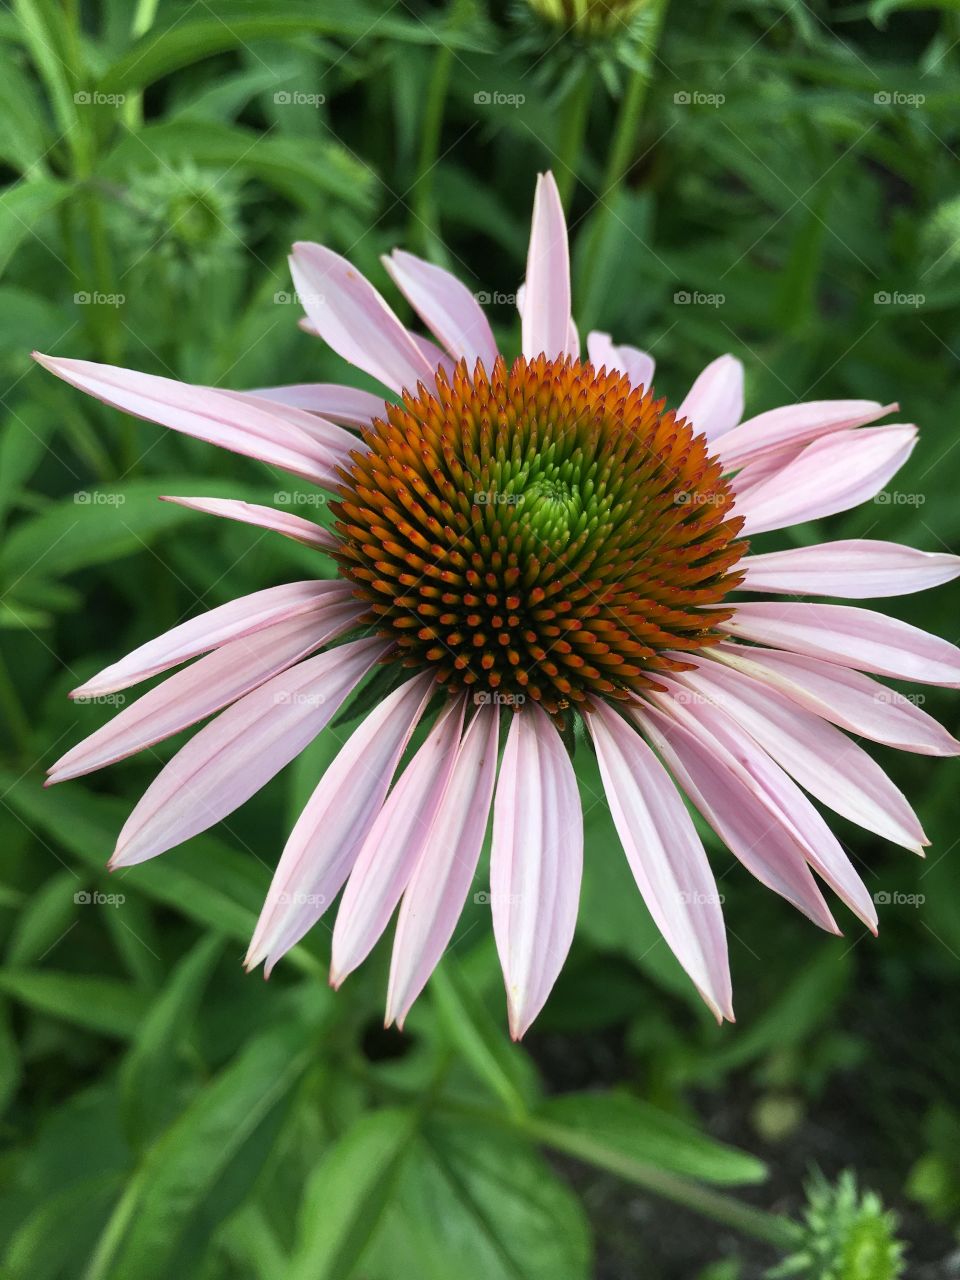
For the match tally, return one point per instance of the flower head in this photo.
(521, 545)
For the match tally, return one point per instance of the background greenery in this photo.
(783, 163)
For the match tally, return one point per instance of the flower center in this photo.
(544, 532)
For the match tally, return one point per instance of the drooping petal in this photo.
(393, 844)
(793, 425)
(345, 405)
(211, 683)
(235, 755)
(285, 522)
(446, 306)
(854, 569)
(714, 404)
(849, 637)
(665, 855)
(844, 697)
(349, 314)
(536, 863)
(438, 886)
(735, 805)
(244, 425)
(331, 829)
(636, 364)
(832, 474)
(821, 758)
(215, 627)
(802, 821)
(546, 302)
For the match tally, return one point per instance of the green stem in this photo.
(423, 216)
(573, 130)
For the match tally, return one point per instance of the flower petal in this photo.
(349, 314)
(830, 475)
(446, 306)
(330, 831)
(438, 886)
(845, 698)
(735, 805)
(536, 863)
(211, 683)
(855, 569)
(665, 855)
(714, 404)
(546, 300)
(235, 755)
(849, 637)
(244, 425)
(215, 627)
(821, 758)
(285, 522)
(792, 425)
(393, 844)
(637, 365)
(345, 405)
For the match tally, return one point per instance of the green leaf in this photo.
(98, 1004)
(469, 1028)
(347, 1194)
(615, 1131)
(22, 207)
(148, 1072)
(48, 915)
(184, 1165)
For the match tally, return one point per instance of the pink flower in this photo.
(522, 547)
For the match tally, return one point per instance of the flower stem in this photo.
(423, 214)
(573, 130)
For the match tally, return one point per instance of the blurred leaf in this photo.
(103, 1005)
(23, 206)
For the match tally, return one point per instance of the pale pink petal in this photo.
(732, 801)
(665, 855)
(444, 872)
(331, 829)
(792, 425)
(821, 758)
(215, 627)
(446, 306)
(349, 314)
(238, 753)
(346, 405)
(255, 429)
(285, 522)
(393, 844)
(536, 863)
(849, 637)
(855, 569)
(637, 365)
(211, 683)
(435, 357)
(340, 443)
(573, 340)
(845, 698)
(832, 474)
(546, 302)
(714, 404)
(798, 816)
